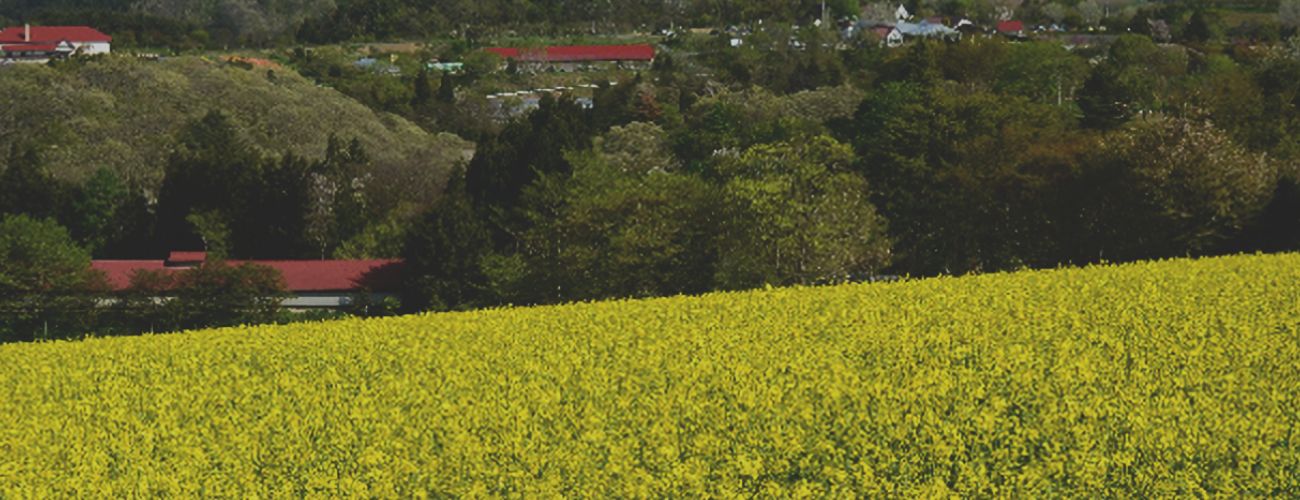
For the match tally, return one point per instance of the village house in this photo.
(1014, 30)
(39, 44)
(888, 35)
(312, 284)
(893, 32)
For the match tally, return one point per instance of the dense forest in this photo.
(180, 24)
(946, 159)
(798, 157)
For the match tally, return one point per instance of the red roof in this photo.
(119, 272)
(181, 256)
(336, 275)
(1010, 26)
(575, 53)
(29, 47)
(378, 275)
(53, 34)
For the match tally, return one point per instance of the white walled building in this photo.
(42, 43)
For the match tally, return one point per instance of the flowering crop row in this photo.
(1171, 378)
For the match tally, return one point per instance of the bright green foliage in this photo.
(796, 213)
(44, 280)
(627, 223)
(1162, 379)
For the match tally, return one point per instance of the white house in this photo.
(42, 43)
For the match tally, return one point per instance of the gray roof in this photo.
(924, 28)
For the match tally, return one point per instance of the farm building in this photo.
(576, 57)
(313, 284)
(29, 43)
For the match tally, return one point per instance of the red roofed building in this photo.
(1014, 29)
(313, 283)
(41, 43)
(568, 56)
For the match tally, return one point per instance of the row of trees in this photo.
(218, 193)
(48, 290)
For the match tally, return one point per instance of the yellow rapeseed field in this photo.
(1174, 378)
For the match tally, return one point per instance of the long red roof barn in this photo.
(578, 53)
(300, 276)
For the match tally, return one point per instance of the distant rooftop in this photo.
(376, 275)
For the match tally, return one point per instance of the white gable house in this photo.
(42, 43)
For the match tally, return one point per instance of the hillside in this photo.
(124, 114)
(1171, 378)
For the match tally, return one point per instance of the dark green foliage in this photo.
(273, 225)
(218, 294)
(965, 179)
(27, 187)
(263, 22)
(917, 63)
(1277, 228)
(145, 305)
(1277, 127)
(447, 89)
(738, 120)
(99, 217)
(423, 89)
(782, 60)
(208, 173)
(129, 27)
(627, 223)
(525, 149)
(1166, 187)
(444, 253)
(265, 203)
(1105, 100)
(1137, 76)
(1202, 27)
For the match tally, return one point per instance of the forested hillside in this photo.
(123, 115)
(175, 23)
(266, 21)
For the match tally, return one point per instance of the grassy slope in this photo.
(123, 114)
(1154, 379)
